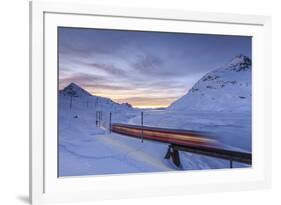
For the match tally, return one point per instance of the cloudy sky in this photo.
(145, 69)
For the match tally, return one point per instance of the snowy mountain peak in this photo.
(227, 88)
(76, 98)
(74, 90)
(240, 63)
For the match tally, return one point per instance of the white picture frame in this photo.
(46, 187)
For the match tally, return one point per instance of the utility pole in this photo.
(110, 115)
(142, 127)
(98, 118)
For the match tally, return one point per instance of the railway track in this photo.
(183, 140)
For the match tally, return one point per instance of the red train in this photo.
(172, 136)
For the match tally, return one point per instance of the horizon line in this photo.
(123, 102)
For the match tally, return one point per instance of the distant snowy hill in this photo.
(73, 89)
(227, 89)
(82, 98)
(75, 102)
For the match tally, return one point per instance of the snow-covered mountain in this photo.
(75, 90)
(226, 89)
(82, 98)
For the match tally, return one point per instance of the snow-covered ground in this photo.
(85, 149)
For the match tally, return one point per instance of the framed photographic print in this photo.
(127, 102)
